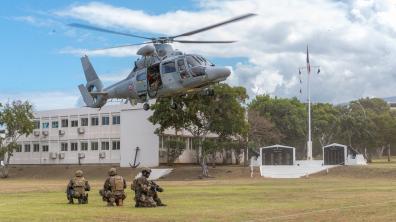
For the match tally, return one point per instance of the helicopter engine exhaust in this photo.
(92, 92)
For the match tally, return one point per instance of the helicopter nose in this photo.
(217, 73)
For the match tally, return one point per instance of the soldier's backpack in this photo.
(79, 186)
(117, 183)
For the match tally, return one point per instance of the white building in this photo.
(90, 136)
(109, 135)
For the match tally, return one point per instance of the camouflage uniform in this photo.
(113, 189)
(77, 188)
(146, 191)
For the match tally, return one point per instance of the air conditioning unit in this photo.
(80, 130)
(81, 155)
(45, 133)
(53, 155)
(61, 132)
(61, 155)
(36, 133)
(102, 155)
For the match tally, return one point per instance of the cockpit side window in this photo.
(192, 62)
(168, 67)
(182, 69)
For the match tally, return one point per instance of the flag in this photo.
(308, 65)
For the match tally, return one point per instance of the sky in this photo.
(353, 42)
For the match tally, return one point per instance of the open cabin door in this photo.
(154, 79)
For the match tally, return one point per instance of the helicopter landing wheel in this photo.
(146, 106)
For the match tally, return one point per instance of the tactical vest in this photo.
(117, 183)
(78, 182)
(79, 186)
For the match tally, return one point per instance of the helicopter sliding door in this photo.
(170, 77)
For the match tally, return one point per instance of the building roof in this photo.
(335, 144)
(277, 145)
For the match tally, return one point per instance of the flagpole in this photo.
(309, 142)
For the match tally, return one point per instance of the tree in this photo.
(288, 116)
(367, 125)
(17, 118)
(262, 131)
(325, 123)
(222, 114)
(175, 148)
(166, 117)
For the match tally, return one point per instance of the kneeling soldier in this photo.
(113, 189)
(77, 188)
(146, 191)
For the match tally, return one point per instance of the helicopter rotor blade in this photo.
(122, 46)
(215, 25)
(198, 41)
(83, 26)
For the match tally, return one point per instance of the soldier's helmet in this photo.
(79, 173)
(146, 171)
(112, 171)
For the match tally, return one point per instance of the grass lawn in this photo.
(329, 197)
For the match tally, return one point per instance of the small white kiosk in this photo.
(338, 154)
(277, 155)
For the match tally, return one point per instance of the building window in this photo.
(74, 123)
(55, 124)
(27, 147)
(73, 146)
(19, 148)
(63, 146)
(65, 122)
(94, 145)
(37, 124)
(94, 121)
(116, 120)
(45, 125)
(84, 121)
(105, 145)
(84, 146)
(105, 120)
(45, 148)
(115, 145)
(36, 147)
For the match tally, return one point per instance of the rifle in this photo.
(155, 187)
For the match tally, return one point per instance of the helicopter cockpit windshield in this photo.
(197, 64)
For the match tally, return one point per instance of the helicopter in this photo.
(160, 71)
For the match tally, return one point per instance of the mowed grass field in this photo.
(345, 194)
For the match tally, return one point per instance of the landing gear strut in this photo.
(175, 105)
(146, 106)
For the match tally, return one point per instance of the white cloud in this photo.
(352, 40)
(44, 100)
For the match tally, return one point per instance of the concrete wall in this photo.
(137, 131)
